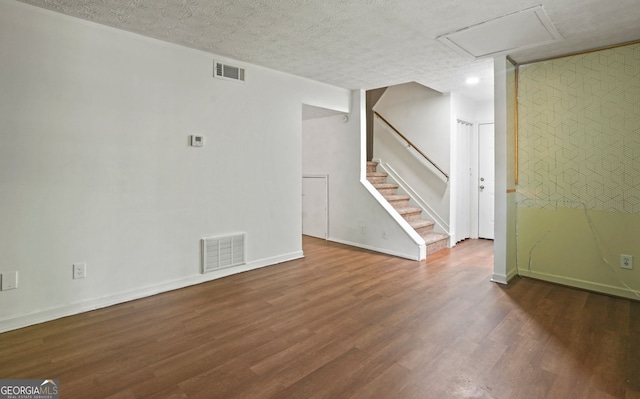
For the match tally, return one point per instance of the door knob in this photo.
(482, 179)
(481, 187)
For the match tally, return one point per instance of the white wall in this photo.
(424, 117)
(484, 111)
(463, 108)
(95, 165)
(337, 149)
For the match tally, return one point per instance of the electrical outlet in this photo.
(363, 229)
(79, 270)
(9, 281)
(626, 262)
(384, 234)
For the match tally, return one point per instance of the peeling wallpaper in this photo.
(579, 131)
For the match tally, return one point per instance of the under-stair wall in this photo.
(333, 147)
(406, 207)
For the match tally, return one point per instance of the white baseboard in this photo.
(419, 256)
(92, 304)
(504, 278)
(499, 278)
(622, 292)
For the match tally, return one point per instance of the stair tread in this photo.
(408, 209)
(434, 241)
(416, 224)
(396, 197)
(385, 185)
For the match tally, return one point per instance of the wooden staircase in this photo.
(413, 215)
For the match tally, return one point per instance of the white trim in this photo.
(582, 284)
(393, 213)
(455, 193)
(121, 297)
(503, 278)
(422, 249)
(502, 200)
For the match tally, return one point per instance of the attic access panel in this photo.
(524, 29)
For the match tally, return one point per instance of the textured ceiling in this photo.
(356, 44)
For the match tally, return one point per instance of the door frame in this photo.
(468, 190)
(475, 190)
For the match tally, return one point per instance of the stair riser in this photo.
(372, 168)
(399, 203)
(377, 179)
(388, 191)
(412, 216)
(424, 230)
(436, 246)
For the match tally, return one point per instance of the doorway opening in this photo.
(315, 206)
(475, 195)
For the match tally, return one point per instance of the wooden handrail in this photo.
(411, 144)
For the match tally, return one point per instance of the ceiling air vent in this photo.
(221, 252)
(228, 72)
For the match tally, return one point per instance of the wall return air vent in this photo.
(222, 252)
(228, 72)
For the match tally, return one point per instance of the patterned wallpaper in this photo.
(579, 130)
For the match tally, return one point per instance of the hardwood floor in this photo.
(345, 323)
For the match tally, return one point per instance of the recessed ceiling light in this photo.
(473, 80)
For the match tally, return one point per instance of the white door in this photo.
(464, 190)
(486, 177)
(314, 206)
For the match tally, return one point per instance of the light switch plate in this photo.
(197, 141)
